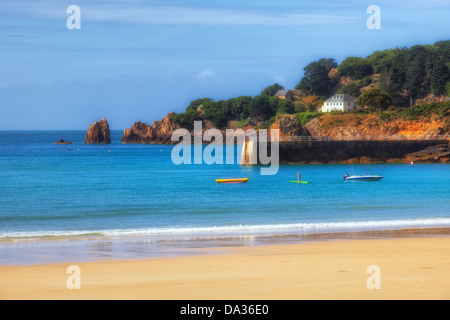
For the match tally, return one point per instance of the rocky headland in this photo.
(160, 132)
(382, 105)
(345, 126)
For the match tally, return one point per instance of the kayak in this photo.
(294, 181)
(239, 180)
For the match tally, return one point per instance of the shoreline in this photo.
(413, 264)
(97, 249)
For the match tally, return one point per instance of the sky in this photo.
(137, 60)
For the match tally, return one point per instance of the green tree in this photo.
(443, 50)
(417, 80)
(261, 108)
(300, 106)
(351, 88)
(380, 60)
(271, 90)
(375, 98)
(438, 73)
(186, 119)
(214, 112)
(285, 106)
(196, 103)
(316, 78)
(355, 68)
(393, 79)
(274, 101)
(241, 107)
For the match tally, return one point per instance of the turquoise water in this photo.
(52, 191)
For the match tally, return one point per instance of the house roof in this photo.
(282, 92)
(340, 97)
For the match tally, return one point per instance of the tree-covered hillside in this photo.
(395, 78)
(406, 74)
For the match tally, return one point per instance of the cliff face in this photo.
(98, 133)
(351, 125)
(158, 133)
(336, 126)
(434, 154)
(138, 133)
(289, 125)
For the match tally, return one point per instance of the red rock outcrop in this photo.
(341, 126)
(61, 141)
(289, 125)
(138, 133)
(159, 133)
(435, 154)
(98, 133)
(162, 130)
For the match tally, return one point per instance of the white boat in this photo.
(364, 177)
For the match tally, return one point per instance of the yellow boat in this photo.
(239, 180)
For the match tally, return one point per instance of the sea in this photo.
(78, 202)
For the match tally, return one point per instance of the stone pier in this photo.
(342, 151)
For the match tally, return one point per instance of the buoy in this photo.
(412, 162)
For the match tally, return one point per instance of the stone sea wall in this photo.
(334, 152)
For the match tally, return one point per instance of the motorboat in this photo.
(364, 177)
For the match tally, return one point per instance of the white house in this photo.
(339, 102)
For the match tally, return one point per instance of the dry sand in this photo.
(410, 268)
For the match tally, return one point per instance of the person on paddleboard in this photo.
(299, 176)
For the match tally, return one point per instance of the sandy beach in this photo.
(408, 268)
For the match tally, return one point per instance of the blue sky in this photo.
(136, 60)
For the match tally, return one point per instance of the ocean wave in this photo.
(227, 231)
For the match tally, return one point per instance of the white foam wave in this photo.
(237, 230)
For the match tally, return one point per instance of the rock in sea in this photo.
(61, 141)
(98, 133)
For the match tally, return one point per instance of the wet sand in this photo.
(409, 267)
